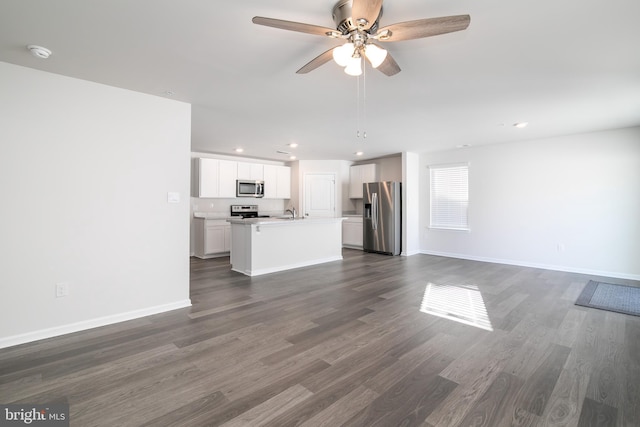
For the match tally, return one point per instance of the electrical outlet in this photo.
(62, 290)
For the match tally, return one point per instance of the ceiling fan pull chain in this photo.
(358, 106)
(364, 96)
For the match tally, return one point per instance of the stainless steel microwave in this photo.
(247, 188)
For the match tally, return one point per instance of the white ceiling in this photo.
(563, 66)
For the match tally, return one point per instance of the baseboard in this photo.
(553, 267)
(344, 245)
(410, 253)
(210, 256)
(90, 324)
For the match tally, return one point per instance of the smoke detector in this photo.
(39, 51)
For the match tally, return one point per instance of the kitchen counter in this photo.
(211, 215)
(280, 220)
(266, 245)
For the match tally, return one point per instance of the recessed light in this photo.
(167, 93)
(292, 157)
(359, 153)
(520, 125)
(293, 145)
(39, 51)
(239, 150)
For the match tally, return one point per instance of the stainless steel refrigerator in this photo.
(382, 218)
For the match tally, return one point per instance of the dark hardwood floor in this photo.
(368, 341)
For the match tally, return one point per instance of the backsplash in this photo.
(222, 206)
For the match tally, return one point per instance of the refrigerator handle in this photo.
(374, 210)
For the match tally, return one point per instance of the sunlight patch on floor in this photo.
(461, 303)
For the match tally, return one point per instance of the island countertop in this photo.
(282, 220)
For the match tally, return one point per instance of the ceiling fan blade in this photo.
(294, 26)
(423, 28)
(366, 9)
(319, 60)
(389, 66)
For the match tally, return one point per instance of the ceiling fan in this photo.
(357, 22)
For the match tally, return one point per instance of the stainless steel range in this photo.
(246, 211)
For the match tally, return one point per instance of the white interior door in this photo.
(320, 195)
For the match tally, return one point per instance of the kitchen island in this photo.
(266, 245)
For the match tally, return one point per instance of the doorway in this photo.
(319, 195)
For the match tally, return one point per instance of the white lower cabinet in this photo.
(212, 238)
(352, 232)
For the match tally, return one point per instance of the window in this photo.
(449, 196)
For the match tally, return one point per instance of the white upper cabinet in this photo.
(208, 177)
(277, 182)
(284, 182)
(227, 178)
(270, 182)
(251, 171)
(216, 178)
(358, 175)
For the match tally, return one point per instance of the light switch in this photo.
(173, 197)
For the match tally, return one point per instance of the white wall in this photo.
(389, 168)
(84, 172)
(410, 203)
(568, 203)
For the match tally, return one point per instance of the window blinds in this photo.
(449, 196)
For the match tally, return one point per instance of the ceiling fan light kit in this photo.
(348, 54)
(354, 67)
(357, 22)
(375, 55)
(342, 54)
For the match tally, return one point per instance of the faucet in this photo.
(293, 212)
